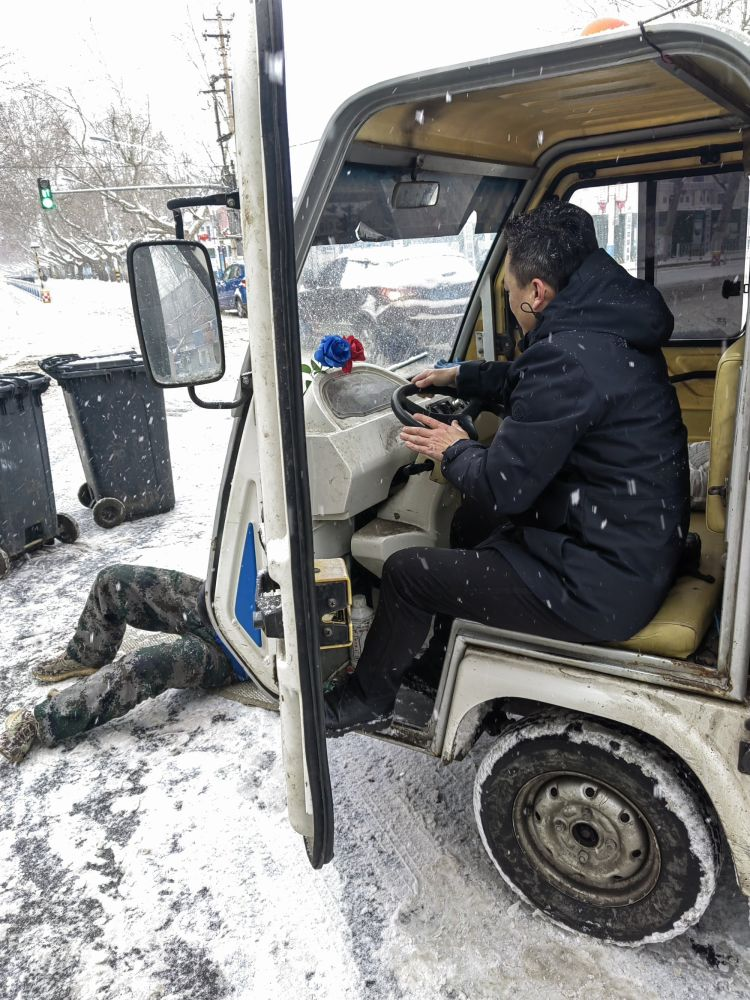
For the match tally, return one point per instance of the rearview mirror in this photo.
(176, 312)
(415, 194)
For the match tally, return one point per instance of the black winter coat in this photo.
(590, 461)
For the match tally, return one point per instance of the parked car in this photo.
(232, 290)
(397, 299)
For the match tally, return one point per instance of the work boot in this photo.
(62, 668)
(20, 735)
(345, 712)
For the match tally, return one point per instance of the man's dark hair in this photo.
(550, 243)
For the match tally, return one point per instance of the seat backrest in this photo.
(722, 433)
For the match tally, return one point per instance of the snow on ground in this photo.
(153, 859)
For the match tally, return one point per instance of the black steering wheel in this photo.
(405, 408)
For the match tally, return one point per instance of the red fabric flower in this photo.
(358, 353)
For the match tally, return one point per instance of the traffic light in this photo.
(46, 198)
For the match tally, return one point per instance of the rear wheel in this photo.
(109, 512)
(4, 563)
(85, 496)
(241, 307)
(600, 830)
(67, 529)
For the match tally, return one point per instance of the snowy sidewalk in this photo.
(153, 859)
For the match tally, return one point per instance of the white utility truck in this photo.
(617, 777)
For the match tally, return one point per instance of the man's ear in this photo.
(543, 294)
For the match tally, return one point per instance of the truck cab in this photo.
(617, 779)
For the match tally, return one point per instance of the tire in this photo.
(67, 529)
(85, 496)
(601, 830)
(4, 563)
(241, 308)
(109, 512)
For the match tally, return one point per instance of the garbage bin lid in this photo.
(24, 382)
(74, 366)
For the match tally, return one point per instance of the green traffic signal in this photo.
(46, 197)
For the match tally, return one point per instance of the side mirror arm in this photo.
(246, 394)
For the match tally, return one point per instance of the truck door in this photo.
(263, 531)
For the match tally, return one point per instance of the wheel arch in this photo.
(702, 733)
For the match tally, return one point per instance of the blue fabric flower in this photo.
(333, 352)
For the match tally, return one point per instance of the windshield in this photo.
(394, 260)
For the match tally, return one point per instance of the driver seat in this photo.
(678, 627)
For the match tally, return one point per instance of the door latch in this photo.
(333, 599)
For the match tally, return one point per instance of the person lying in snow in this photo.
(157, 600)
(584, 491)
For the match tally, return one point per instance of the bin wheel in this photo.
(67, 528)
(4, 563)
(85, 496)
(109, 512)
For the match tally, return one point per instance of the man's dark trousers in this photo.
(156, 600)
(477, 584)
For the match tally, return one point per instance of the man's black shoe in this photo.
(346, 712)
(423, 676)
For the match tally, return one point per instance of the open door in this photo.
(263, 529)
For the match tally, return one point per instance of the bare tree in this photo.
(45, 134)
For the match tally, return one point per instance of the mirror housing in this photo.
(176, 312)
(731, 287)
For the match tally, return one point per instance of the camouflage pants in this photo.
(157, 600)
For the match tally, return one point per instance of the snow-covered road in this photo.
(154, 860)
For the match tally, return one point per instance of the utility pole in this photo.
(222, 36)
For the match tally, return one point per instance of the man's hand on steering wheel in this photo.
(434, 438)
(436, 376)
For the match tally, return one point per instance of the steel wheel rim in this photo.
(586, 838)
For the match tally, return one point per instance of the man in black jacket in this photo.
(583, 494)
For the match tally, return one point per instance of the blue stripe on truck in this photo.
(244, 604)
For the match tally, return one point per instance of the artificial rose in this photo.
(357, 353)
(333, 352)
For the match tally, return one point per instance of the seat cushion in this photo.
(678, 627)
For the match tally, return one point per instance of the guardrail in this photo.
(42, 294)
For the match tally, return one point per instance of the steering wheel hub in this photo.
(406, 409)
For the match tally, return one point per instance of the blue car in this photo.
(232, 290)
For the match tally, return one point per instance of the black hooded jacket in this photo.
(590, 461)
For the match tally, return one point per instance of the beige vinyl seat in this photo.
(678, 627)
